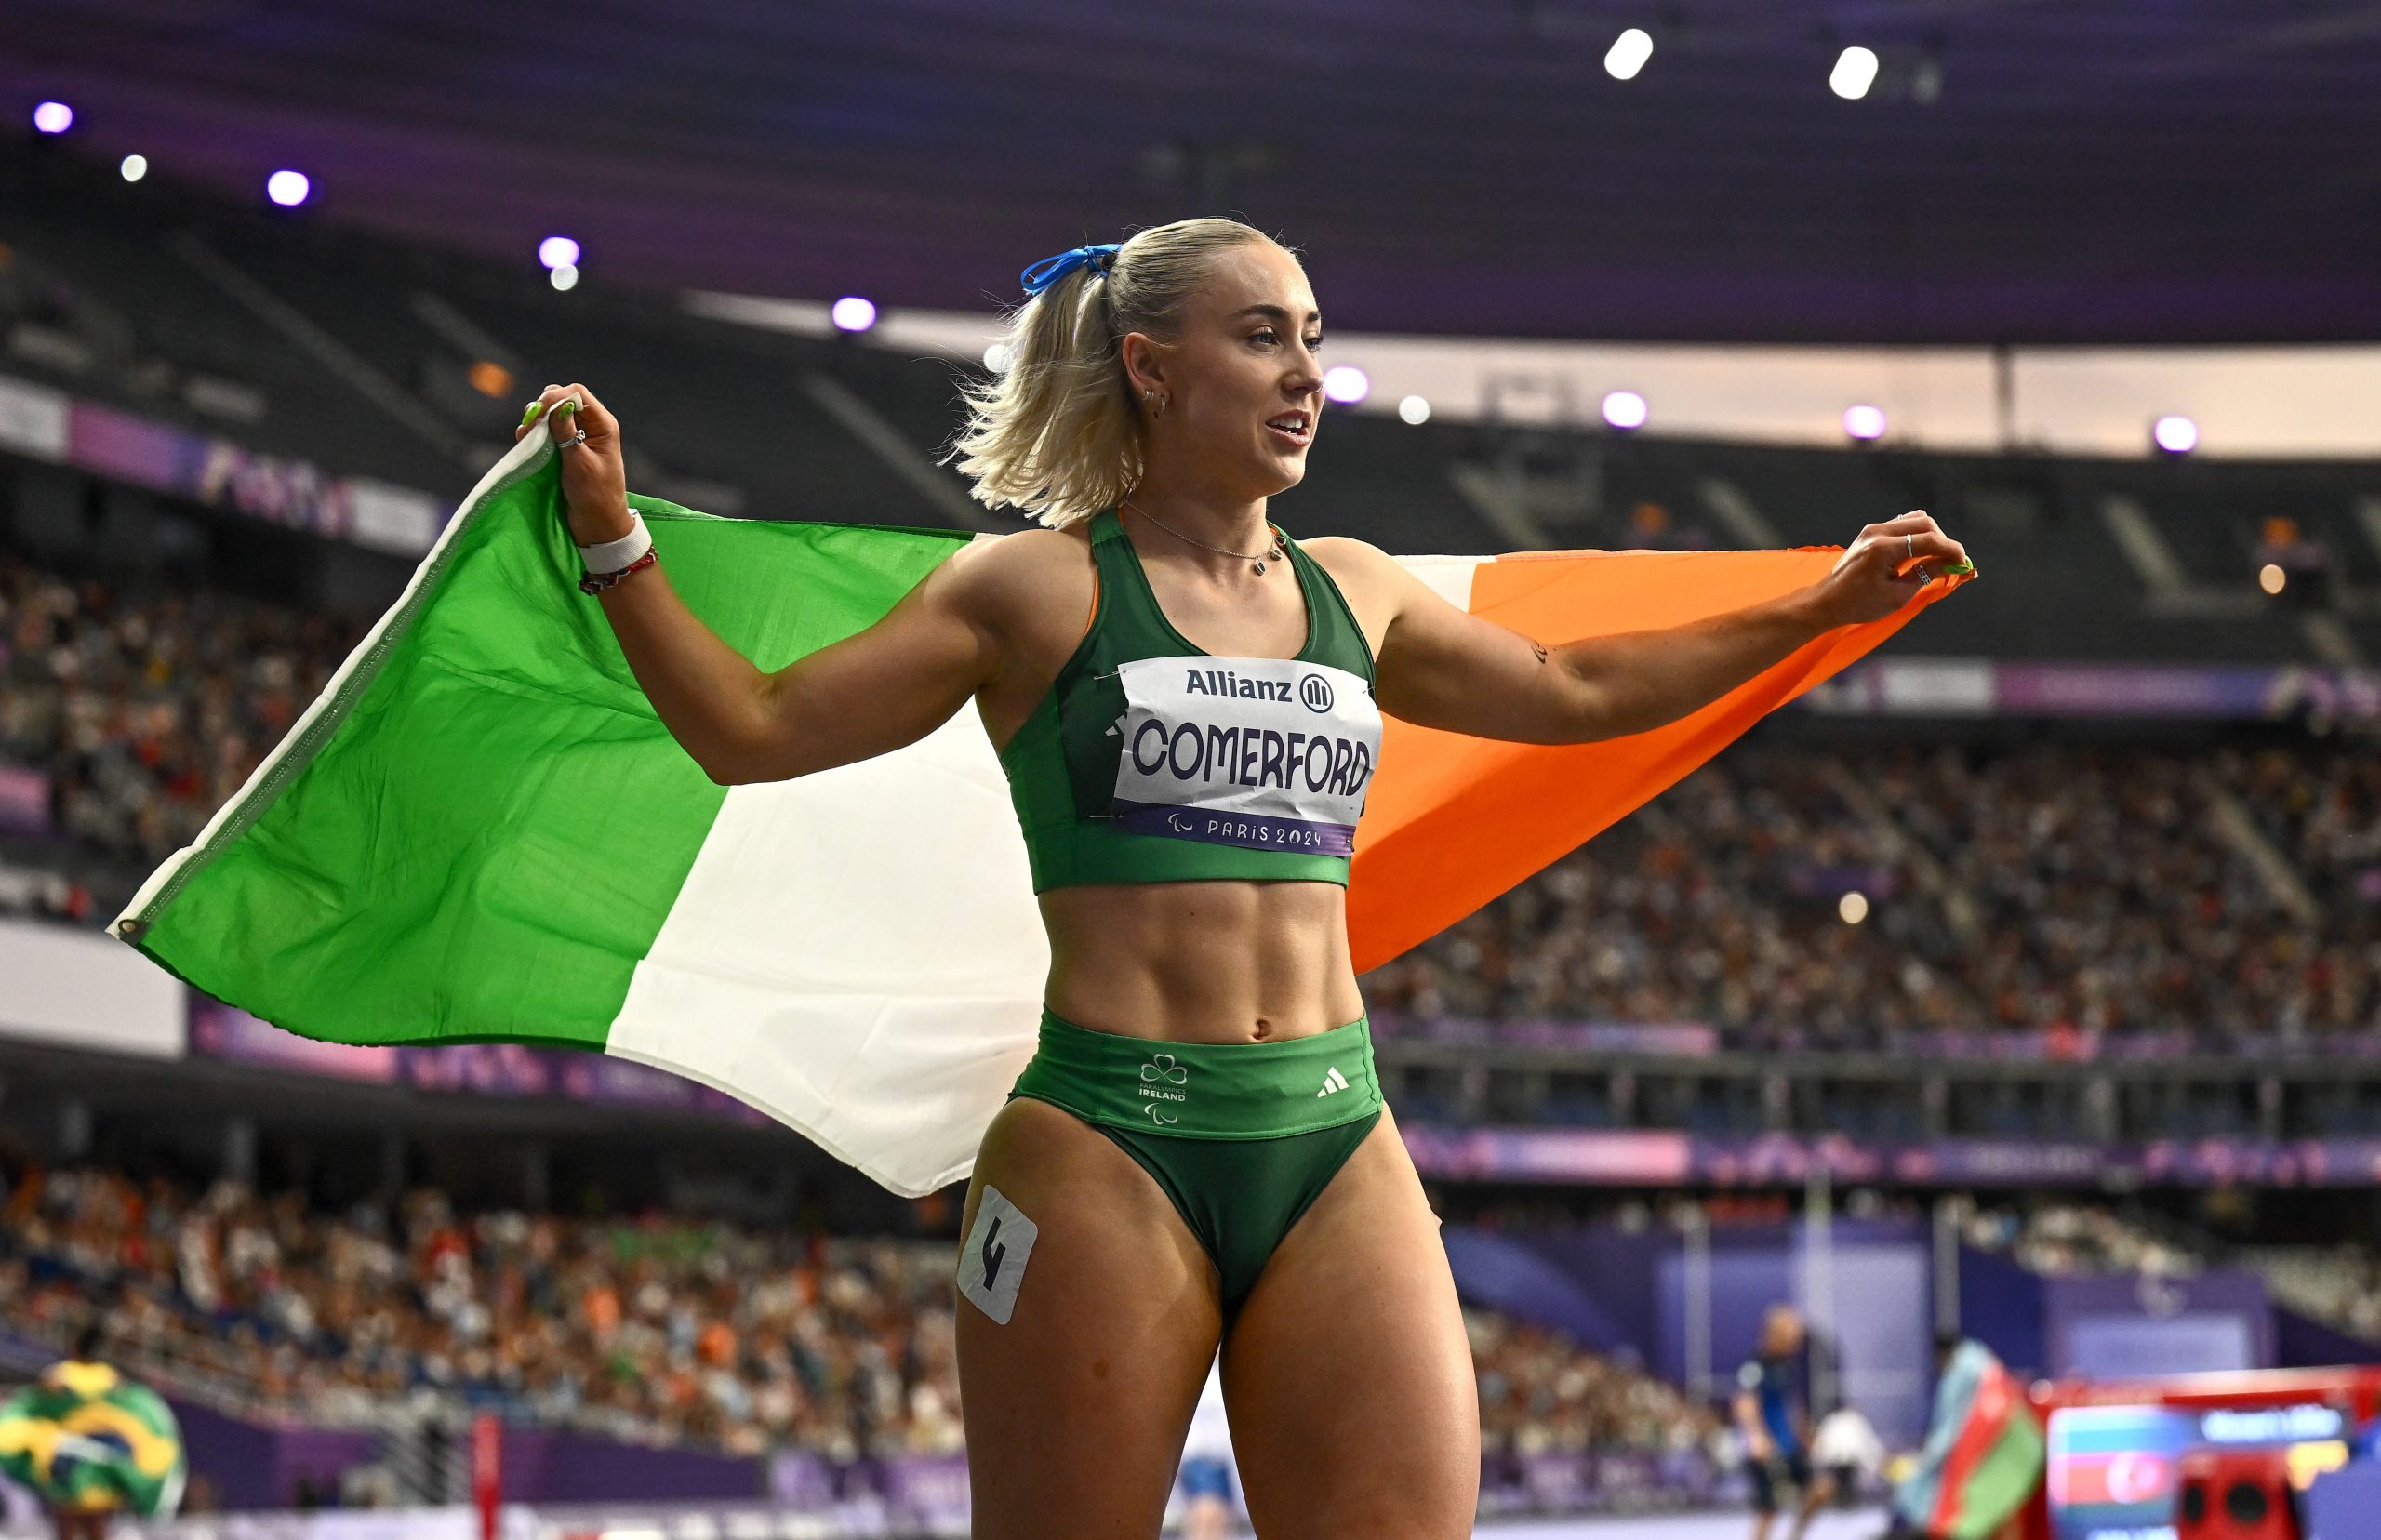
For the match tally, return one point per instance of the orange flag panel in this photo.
(1452, 821)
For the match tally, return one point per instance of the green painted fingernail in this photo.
(1968, 565)
(568, 403)
(531, 415)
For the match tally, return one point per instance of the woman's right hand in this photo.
(595, 484)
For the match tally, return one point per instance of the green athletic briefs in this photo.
(1243, 1137)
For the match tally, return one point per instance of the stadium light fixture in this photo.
(852, 313)
(1346, 384)
(133, 167)
(997, 358)
(287, 187)
(1866, 424)
(1415, 409)
(1855, 71)
(1853, 907)
(556, 251)
(1628, 53)
(2271, 578)
(563, 278)
(1625, 410)
(2175, 433)
(53, 117)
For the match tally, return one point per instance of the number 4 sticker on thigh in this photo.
(992, 1261)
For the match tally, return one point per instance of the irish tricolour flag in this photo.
(483, 831)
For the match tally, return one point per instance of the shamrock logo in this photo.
(1162, 1067)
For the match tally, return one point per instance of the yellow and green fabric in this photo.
(85, 1438)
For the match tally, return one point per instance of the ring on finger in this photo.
(573, 441)
(1909, 544)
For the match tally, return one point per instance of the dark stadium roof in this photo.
(2088, 169)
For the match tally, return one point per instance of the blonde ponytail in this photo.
(1057, 433)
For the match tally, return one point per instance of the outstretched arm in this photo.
(1442, 667)
(867, 695)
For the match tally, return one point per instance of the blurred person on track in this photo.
(1847, 1451)
(1198, 1153)
(1208, 1484)
(1773, 1415)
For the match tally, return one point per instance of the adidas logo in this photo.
(1333, 1081)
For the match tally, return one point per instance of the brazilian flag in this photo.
(85, 1438)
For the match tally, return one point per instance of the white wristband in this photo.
(612, 555)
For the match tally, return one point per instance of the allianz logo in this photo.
(1314, 690)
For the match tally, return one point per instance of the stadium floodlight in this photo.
(287, 187)
(852, 313)
(1346, 384)
(556, 251)
(1415, 409)
(2175, 433)
(564, 277)
(2271, 578)
(1625, 410)
(133, 167)
(1864, 424)
(997, 358)
(1628, 53)
(53, 117)
(1855, 71)
(1853, 907)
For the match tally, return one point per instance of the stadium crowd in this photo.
(2081, 893)
(2062, 1239)
(652, 1328)
(1539, 1394)
(146, 713)
(1790, 896)
(2112, 902)
(1716, 902)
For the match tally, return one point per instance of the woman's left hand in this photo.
(1881, 570)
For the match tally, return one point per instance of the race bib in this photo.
(1263, 752)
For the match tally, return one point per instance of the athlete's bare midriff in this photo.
(1211, 961)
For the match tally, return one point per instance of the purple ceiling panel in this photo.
(2023, 170)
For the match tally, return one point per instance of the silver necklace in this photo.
(1275, 553)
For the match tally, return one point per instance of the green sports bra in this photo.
(1151, 761)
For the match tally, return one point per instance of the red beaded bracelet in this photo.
(596, 582)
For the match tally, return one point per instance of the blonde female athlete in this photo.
(1187, 703)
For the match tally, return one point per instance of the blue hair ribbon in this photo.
(1049, 270)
